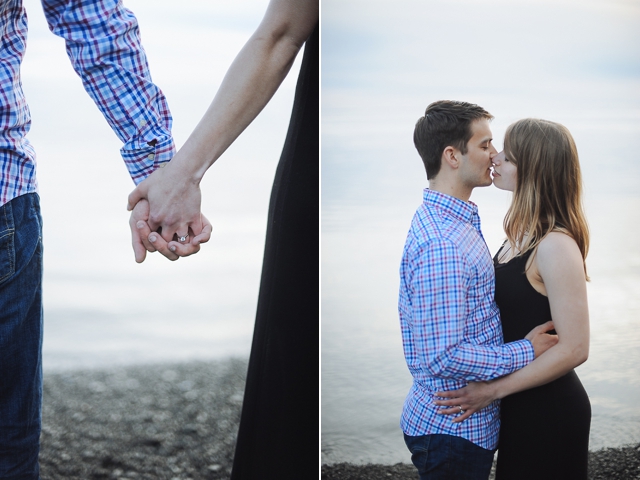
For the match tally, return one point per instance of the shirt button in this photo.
(143, 122)
(151, 156)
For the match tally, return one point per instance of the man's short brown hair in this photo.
(445, 123)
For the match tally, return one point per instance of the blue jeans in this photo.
(445, 457)
(20, 337)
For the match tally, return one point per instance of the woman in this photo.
(540, 274)
(278, 434)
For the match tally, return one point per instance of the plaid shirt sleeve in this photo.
(441, 281)
(103, 43)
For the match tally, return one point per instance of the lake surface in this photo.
(382, 65)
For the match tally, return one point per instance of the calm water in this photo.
(381, 67)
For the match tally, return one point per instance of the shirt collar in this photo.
(459, 209)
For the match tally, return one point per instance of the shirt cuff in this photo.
(519, 353)
(142, 162)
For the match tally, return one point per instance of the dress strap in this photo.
(497, 255)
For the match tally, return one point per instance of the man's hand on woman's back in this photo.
(540, 339)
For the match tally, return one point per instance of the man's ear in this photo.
(451, 156)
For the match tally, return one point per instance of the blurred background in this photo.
(576, 62)
(101, 308)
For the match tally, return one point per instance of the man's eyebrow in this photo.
(486, 140)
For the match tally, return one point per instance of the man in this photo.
(103, 44)
(450, 323)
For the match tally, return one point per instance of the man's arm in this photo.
(439, 286)
(103, 44)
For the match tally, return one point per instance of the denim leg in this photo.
(445, 457)
(20, 337)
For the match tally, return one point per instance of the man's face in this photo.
(475, 166)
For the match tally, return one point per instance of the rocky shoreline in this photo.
(179, 422)
(155, 422)
(607, 464)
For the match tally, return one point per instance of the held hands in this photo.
(466, 401)
(143, 239)
(165, 207)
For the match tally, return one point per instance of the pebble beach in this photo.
(179, 421)
(173, 421)
(607, 464)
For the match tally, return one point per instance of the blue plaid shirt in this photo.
(450, 322)
(103, 44)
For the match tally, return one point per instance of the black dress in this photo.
(544, 431)
(279, 427)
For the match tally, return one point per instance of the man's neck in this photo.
(453, 189)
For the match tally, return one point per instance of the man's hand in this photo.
(140, 231)
(540, 339)
(144, 239)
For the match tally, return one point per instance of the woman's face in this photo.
(504, 173)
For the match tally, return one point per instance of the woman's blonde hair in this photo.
(548, 194)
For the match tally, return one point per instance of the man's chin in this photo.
(486, 183)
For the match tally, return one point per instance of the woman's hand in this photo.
(466, 401)
(144, 239)
(174, 202)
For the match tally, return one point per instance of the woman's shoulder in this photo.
(558, 246)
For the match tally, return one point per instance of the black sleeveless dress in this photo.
(544, 431)
(278, 436)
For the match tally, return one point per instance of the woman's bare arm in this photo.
(254, 76)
